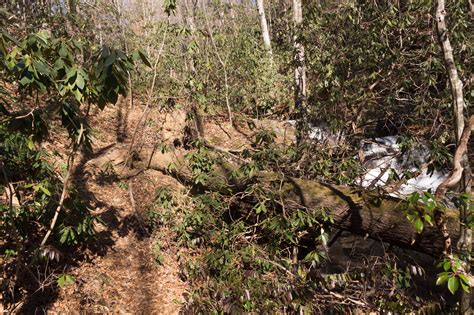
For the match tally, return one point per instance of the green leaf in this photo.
(63, 51)
(442, 278)
(453, 284)
(71, 72)
(447, 265)
(324, 239)
(69, 279)
(80, 83)
(43, 36)
(414, 197)
(463, 278)
(78, 95)
(135, 56)
(419, 225)
(25, 81)
(120, 54)
(260, 208)
(65, 279)
(465, 287)
(64, 235)
(58, 64)
(41, 67)
(31, 144)
(77, 44)
(144, 57)
(110, 60)
(428, 219)
(83, 73)
(44, 190)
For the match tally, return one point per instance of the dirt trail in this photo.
(122, 276)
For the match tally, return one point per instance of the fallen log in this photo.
(353, 209)
(364, 213)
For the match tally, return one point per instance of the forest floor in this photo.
(123, 271)
(122, 275)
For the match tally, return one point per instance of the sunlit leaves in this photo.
(43, 63)
(454, 274)
(201, 163)
(453, 284)
(170, 6)
(65, 279)
(260, 207)
(421, 209)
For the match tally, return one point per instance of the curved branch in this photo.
(456, 174)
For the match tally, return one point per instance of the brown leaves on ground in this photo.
(123, 276)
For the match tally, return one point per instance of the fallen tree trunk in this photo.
(352, 209)
(363, 213)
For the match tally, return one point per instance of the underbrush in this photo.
(31, 186)
(47, 86)
(239, 261)
(246, 253)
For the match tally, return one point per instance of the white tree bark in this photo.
(263, 23)
(454, 81)
(300, 70)
(458, 104)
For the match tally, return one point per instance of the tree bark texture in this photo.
(454, 81)
(300, 70)
(353, 209)
(263, 24)
(465, 241)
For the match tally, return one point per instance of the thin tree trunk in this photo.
(72, 6)
(470, 3)
(465, 240)
(263, 24)
(223, 64)
(299, 58)
(189, 20)
(144, 115)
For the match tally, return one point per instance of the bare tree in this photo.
(189, 13)
(263, 23)
(458, 104)
(299, 58)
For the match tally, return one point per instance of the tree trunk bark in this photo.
(263, 23)
(470, 4)
(360, 212)
(465, 240)
(72, 6)
(300, 69)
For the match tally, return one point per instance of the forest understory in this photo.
(236, 157)
(131, 267)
